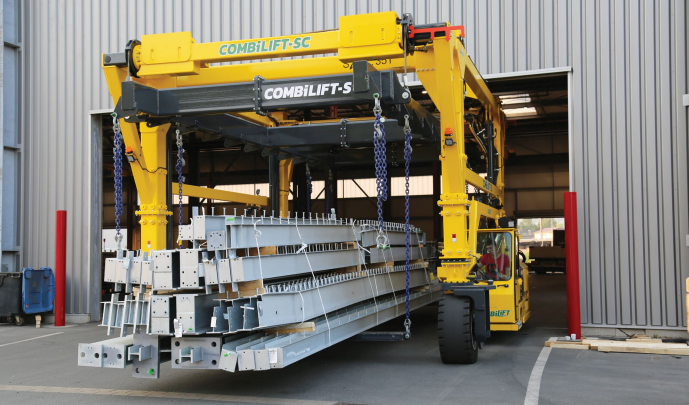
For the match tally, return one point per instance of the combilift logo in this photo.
(500, 314)
(307, 90)
(261, 46)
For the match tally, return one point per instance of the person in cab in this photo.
(497, 267)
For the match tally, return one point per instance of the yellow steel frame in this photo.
(286, 170)
(221, 195)
(445, 70)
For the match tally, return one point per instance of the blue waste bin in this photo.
(38, 290)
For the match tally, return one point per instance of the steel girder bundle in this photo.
(324, 260)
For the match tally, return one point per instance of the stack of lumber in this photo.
(636, 344)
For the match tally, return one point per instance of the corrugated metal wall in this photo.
(630, 159)
(629, 128)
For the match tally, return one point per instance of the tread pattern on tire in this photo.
(455, 338)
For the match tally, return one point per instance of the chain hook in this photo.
(381, 240)
(117, 155)
(329, 194)
(115, 123)
(380, 154)
(376, 107)
(309, 189)
(180, 179)
(407, 227)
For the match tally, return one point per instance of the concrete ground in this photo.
(34, 371)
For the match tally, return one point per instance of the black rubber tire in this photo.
(456, 331)
(18, 320)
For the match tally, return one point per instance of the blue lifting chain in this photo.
(381, 169)
(407, 160)
(180, 178)
(117, 152)
(329, 194)
(309, 188)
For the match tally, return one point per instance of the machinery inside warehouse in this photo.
(269, 281)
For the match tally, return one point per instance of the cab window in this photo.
(495, 255)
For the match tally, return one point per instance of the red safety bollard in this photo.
(60, 266)
(572, 267)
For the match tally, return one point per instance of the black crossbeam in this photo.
(264, 95)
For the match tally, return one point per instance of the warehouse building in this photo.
(598, 95)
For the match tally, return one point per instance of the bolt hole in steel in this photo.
(137, 370)
(105, 355)
(214, 362)
(83, 354)
(177, 361)
(119, 356)
(96, 355)
(213, 344)
(176, 343)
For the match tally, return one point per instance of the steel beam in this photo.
(394, 237)
(163, 310)
(244, 236)
(196, 352)
(286, 350)
(283, 265)
(299, 301)
(228, 356)
(194, 312)
(395, 253)
(149, 367)
(111, 353)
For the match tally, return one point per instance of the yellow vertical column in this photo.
(441, 72)
(149, 168)
(499, 123)
(286, 169)
(154, 210)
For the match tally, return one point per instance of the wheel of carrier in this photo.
(456, 331)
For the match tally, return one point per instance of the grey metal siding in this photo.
(9, 131)
(629, 155)
(629, 159)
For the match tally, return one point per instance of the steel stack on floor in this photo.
(255, 293)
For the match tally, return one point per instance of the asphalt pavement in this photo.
(39, 365)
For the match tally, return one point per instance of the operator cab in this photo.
(500, 263)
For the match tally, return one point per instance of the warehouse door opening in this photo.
(537, 174)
